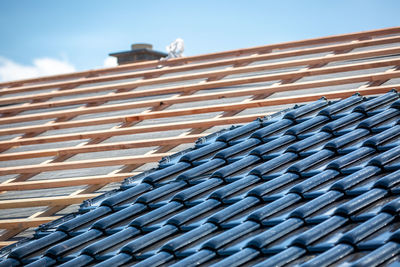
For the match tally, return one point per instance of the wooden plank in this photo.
(235, 61)
(189, 111)
(208, 85)
(7, 243)
(130, 130)
(44, 201)
(99, 147)
(89, 189)
(25, 223)
(204, 123)
(79, 111)
(81, 164)
(54, 209)
(201, 123)
(65, 182)
(93, 99)
(230, 53)
(198, 123)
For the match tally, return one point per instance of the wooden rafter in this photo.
(217, 73)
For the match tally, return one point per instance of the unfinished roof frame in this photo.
(30, 98)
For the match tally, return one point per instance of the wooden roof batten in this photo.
(362, 62)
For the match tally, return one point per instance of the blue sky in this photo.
(80, 34)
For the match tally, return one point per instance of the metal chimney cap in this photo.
(141, 46)
(139, 52)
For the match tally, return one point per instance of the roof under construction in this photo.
(312, 186)
(73, 137)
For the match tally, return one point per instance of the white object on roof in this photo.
(175, 49)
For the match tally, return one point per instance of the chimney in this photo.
(138, 52)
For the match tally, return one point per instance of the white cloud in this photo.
(11, 70)
(110, 62)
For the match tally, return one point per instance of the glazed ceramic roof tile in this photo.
(310, 186)
(71, 137)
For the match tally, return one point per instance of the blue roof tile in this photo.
(314, 186)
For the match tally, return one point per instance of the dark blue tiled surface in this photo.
(315, 186)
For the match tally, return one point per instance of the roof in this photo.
(316, 185)
(73, 137)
